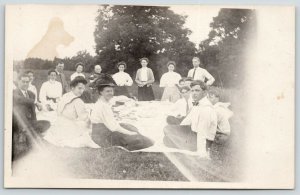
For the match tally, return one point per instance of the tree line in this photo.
(127, 33)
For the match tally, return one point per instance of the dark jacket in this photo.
(24, 108)
(62, 79)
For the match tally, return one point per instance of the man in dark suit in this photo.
(25, 125)
(61, 77)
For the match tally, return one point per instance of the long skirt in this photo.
(102, 136)
(145, 93)
(170, 93)
(69, 133)
(121, 90)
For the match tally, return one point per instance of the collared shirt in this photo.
(32, 88)
(76, 74)
(144, 74)
(169, 79)
(122, 79)
(223, 115)
(182, 106)
(50, 89)
(102, 113)
(203, 119)
(201, 74)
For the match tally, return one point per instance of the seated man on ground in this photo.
(25, 125)
(197, 131)
(189, 100)
(223, 114)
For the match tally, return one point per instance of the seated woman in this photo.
(106, 131)
(79, 69)
(51, 91)
(72, 125)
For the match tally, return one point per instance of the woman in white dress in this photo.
(122, 79)
(170, 81)
(51, 91)
(106, 130)
(79, 68)
(72, 127)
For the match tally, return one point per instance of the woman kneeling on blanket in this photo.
(106, 131)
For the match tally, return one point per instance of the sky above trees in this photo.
(30, 23)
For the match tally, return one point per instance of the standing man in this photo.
(61, 77)
(201, 74)
(197, 130)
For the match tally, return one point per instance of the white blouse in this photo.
(169, 79)
(144, 74)
(102, 113)
(76, 74)
(122, 79)
(51, 89)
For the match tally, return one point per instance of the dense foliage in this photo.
(127, 33)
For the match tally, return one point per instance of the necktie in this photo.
(194, 73)
(60, 78)
(195, 103)
(26, 94)
(187, 107)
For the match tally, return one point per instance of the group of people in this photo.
(196, 117)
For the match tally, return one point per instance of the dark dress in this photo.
(145, 93)
(104, 129)
(102, 136)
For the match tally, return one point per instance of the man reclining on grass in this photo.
(197, 131)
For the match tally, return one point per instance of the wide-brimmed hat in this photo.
(103, 80)
(78, 79)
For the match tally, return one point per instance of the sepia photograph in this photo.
(144, 96)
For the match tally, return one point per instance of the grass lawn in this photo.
(114, 163)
